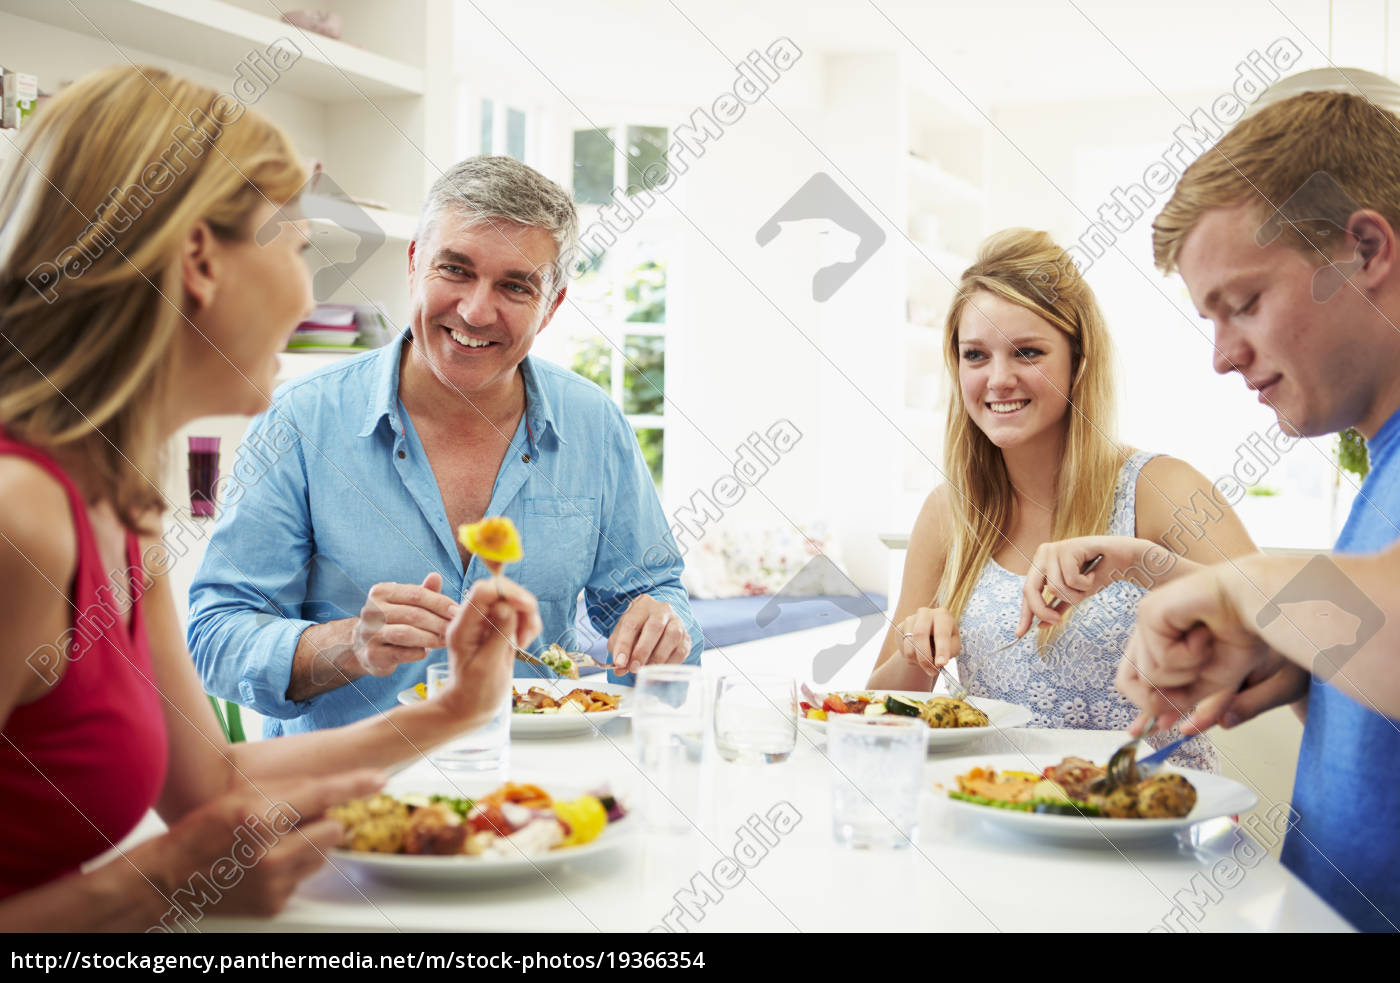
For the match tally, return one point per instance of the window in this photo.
(615, 330)
(504, 130)
(618, 339)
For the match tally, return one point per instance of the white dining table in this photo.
(960, 874)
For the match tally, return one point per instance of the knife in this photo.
(1150, 765)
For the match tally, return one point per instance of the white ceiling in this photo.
(997, 51)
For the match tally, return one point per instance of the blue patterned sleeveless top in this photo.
(1070, 684)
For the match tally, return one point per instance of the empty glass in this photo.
(668, 727)
(485, 749)
(755, 718)
(877, 775)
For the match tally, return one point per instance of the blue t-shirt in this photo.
(1344, 843)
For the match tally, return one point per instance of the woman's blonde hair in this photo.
(1028, 269)
(111, 176)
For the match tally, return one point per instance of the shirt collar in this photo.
(539, 414)
(386, 387)
(1386, 440)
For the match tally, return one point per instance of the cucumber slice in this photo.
(902, 707)
(1080, 809)
(982, 800)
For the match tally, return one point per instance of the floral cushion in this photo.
(735, 560)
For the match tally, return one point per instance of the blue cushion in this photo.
(734, 620)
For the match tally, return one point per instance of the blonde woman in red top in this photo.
(137, 296)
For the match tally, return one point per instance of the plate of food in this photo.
(951, 722)
(553, 707)
(1056, 800)
(507, 832)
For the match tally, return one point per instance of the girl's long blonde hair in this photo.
(1028, 269)
(111, 176)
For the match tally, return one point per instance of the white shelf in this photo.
(219, 36)
(351, 223)
(292, 365)
(398, 226)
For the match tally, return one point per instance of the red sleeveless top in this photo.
(82, 764)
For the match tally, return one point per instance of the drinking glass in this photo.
(878, 768)
(668, 727)
(755, 718)
(204, 474)
(485, 749)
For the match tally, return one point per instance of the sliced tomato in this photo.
(834, 704)
(489, 818)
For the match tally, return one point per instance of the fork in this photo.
(1122, 766)
(1152, 764)
(531, 660)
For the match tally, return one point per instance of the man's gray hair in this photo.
(501, 189)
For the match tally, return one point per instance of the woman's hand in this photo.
(496, 617)
(1055, 579)
(930, 639)
(245, 852)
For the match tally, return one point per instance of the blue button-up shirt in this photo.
(332, 493)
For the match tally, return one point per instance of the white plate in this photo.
(466, 870)
(1216, 796)
(1000, 716)
(533, 725)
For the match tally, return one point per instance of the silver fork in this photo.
(1122, 766)
(529, 659)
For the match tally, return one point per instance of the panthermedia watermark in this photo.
(1205, 125)
(1206, 889)
(251, 843)
(821, 200)
(754, 841)
(254, 76)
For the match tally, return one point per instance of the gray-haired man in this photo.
(321, 591)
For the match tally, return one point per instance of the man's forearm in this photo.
(1301, 628)
(1153, 565)
(324, 660)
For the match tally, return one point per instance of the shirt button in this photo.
(525, 458)
(402, 454)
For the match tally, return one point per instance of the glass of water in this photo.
(485, 749)
(668, 728)
(877, 775)
(755, 718)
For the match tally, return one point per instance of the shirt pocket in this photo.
(560, 541)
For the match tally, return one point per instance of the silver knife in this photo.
(1151, 764)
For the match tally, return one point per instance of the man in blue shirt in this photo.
(321, 592)
(1286, 235)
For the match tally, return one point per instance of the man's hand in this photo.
(401, 623)
(647, 634)
(1191, 648)
(1277, 682)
